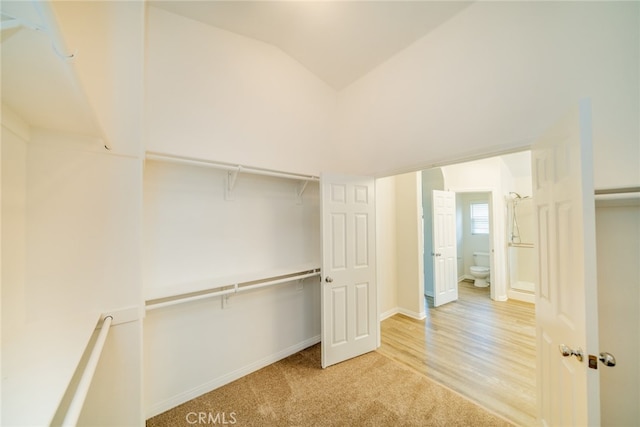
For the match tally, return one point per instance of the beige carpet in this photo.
(370, 390)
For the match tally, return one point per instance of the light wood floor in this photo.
(483, 349)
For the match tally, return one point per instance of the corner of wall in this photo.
(13, 122)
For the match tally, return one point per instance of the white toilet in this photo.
(480, 271)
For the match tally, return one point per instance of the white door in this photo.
(566, 298)
(349, 303)
(445, 250)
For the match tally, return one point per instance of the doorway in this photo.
(489, 181)
(473, 234)
(405, 239)
(482, 180)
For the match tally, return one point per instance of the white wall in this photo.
(409, 244)
(386, 246)
(618, 251)
(83, 233)
(191, 233)
(399, 241)
(494, 77)
(14, 207)
(216, 95)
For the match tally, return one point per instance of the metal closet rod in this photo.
(151, 155)
(617, 194)
(622, 190)
(228, 289)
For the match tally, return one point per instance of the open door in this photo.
(566, 298)
(445, 250)
(349, 310)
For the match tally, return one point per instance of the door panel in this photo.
(349, 299)
(362, 310)
(566, 298)
(445, 252)
(339, 314)
(362, 243)
(338, 241)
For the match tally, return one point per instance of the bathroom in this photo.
(500, 234)
(473, 237)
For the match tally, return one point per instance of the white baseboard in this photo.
(388, 313)
(183, 397)
(522, 296)
(418, 316)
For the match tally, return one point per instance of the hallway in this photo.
(481, 348)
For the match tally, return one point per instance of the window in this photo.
(479, 218)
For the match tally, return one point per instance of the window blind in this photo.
(479, 218)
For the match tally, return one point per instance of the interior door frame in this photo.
(493, 193)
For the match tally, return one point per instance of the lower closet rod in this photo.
(236, 289)
(73, 413)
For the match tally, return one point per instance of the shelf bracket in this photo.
(225, 298)
(230, 183)
(300, 191)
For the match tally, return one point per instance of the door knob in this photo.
(328, 279)
(567, 351)
(607, 359)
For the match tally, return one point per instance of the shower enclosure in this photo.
(520, 252)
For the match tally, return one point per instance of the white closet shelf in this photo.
(153, 294)
(231, 167)
(39, 360)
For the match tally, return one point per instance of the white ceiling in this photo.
(339, 41)
(38, 82)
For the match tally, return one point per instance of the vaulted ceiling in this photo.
(339, 41)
